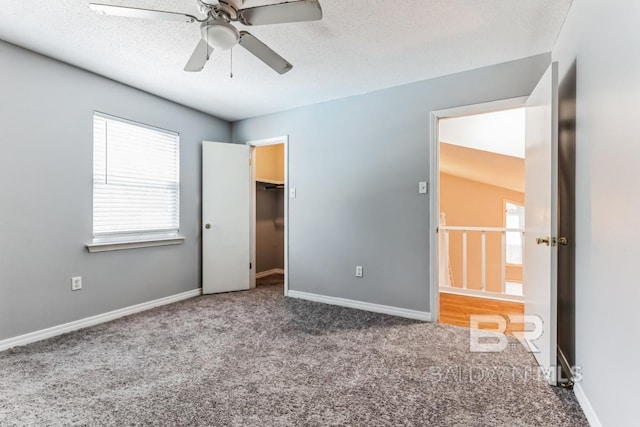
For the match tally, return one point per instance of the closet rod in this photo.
(274, 187)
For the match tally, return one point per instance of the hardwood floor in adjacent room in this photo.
(456, 309)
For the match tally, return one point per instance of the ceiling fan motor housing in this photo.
(228, 8)
(219, 34)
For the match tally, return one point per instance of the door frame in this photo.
(434, 179)
(252, 232)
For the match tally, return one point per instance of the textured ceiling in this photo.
(500, 132)
(359, 46)
(483, 166)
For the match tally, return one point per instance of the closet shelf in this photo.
(269, 181)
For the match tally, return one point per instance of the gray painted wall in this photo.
(46, 112)
(356, 164)
(269, 228)
(603, 38)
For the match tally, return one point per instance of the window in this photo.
(514, 218)
(136, 181)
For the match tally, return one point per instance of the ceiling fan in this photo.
(218, 33)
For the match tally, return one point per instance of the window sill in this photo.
(133, 244)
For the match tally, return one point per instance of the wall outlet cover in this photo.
(76, 283)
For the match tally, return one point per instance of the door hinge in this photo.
(250, 266)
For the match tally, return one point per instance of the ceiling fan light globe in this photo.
(220, 35)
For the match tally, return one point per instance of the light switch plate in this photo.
(292, 193)
(423, 188)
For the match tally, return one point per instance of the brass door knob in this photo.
(207, 226)
(542, 240)
(562, 241)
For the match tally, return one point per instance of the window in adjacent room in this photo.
(514, 218)
(136, 180)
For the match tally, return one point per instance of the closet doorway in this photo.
(269, 212)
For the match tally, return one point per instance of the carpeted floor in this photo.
(257, 359)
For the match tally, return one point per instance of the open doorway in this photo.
(549, 179)
(481, 184)
(269, 234)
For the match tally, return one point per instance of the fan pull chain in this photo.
(208, 48)
(231, 50)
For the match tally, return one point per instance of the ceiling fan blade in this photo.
(211, 2)
(199, 57)
(264, 53)
(296, 11)
(134, 12)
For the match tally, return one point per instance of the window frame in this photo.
(110, 241)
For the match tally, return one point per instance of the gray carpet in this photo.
(257, 359)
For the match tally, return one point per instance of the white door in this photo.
(226, 198)
(541, 207)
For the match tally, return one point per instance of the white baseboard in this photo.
(269, 273)
(93, 320)
(593, 419)
(366, 306)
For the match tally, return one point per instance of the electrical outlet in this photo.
(358, 271)
(76, 283)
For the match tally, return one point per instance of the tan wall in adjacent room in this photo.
(474, 204)
(270, 162)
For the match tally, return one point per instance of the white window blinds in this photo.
(136, 178)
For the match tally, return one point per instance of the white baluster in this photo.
(447, 261)
(464, 259)
(503, 263)
(484, 261)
